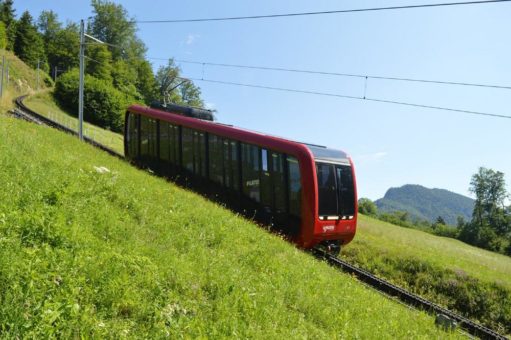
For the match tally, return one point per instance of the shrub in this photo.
(367, 207)
(103, 104)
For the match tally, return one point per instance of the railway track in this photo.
(29, 114)
(448, 319)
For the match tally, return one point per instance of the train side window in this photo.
(144, 136)
(266, 180)
(216, 159)
(235, 166)
(199, 153)
(153, 138)
(295, 186)
(250, 171)
(132, 135)
(187, 140)
(278, 181)
(165, 135)
(228, 166)
(174, 144)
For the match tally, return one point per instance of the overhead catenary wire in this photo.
(353, 10)
(339, 95)
(339, 74)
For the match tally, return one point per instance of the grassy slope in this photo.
(44, 104)
(123, 253)
(22, 80)
(439, 268)
(446, 252)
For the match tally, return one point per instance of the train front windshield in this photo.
(336, 192)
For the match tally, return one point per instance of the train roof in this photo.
(319, 153)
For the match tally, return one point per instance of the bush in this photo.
(367, 207)
(103, 104)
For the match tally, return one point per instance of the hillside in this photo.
(45, 104)
(92, 247)
(22, 80)
(470, 280)
(427, 204)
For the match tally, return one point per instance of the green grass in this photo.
(44, 104)
(93, 254)
(471, 280)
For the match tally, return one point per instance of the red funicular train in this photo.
(307, 192)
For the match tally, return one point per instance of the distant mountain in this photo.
(427, 204)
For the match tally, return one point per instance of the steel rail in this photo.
(361, 274)
(407, 297)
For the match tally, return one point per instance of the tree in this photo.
(167, 79)
(103, 105)
(49, 26)
(28, 45)
(124, 78)
(146, 83)
(190, 94)
(112, 25)
(3, 36)
(367, 207)
(99, 62)
(489, 187)
(491, 221)
(63, 51)
(8, 17)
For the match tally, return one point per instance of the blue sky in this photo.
(391, 145)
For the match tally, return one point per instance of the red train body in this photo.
(326, 190)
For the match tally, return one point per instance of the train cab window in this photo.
(132, 135)
(346, 190)
(336, 192)
(250, 167)
(295, 186)
(216, 159)
(278, 181)
(327, 189)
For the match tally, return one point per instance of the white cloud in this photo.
(191, 38)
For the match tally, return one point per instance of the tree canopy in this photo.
(28, 44)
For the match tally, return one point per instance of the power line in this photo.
(355, 10)
(348, 97)
(363, 76)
